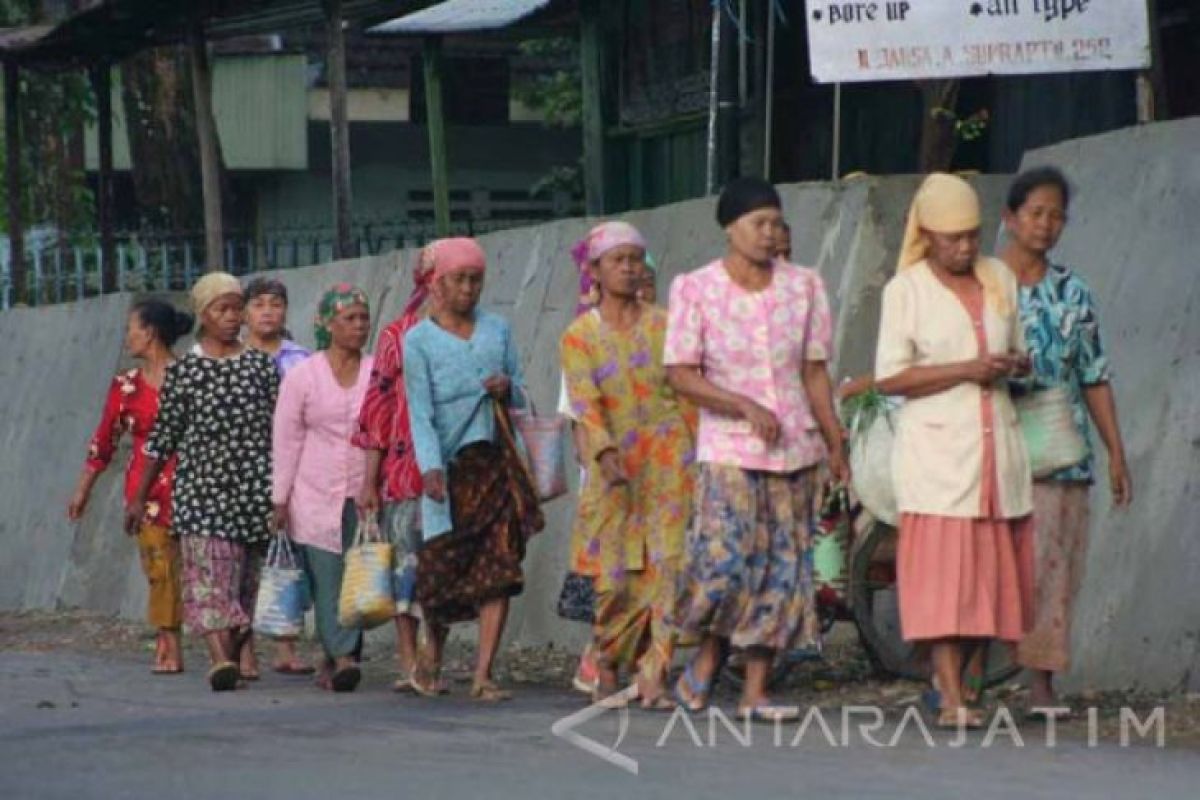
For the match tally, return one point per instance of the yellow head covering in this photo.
(947, 204)
(212, 286)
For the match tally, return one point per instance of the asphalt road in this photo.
(102, 727)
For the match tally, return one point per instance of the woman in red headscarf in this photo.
(392, 486)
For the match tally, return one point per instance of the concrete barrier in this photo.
(1130, 220)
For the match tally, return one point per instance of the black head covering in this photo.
(266, 286)
(743, 195)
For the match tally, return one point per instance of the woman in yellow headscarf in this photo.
(949, 337)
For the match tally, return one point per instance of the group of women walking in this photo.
(702, 430)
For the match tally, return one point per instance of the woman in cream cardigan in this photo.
(949, 337)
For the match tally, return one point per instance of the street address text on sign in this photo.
(881, 40)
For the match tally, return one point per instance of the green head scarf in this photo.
(341, 296)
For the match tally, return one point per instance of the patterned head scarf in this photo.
(600, 239)
(333, 302)
(422, 279)
(213, 285)
(946, 204)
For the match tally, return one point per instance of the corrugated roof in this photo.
(463, 16)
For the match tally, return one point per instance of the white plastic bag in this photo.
(872, 438)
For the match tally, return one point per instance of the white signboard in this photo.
(881, 40)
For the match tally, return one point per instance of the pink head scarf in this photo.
(600, 239)
(447, 256)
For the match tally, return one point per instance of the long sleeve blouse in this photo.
(316, 466)
(448, 406)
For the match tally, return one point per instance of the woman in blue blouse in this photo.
(461, 373)
(1063, 337)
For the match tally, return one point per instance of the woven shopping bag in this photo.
(1048, 425)
(366, 599)
(282, 592)
(545, 440)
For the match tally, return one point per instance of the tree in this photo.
(555, 90)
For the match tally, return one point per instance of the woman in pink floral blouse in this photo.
(748, 340)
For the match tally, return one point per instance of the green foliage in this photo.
(54, 109)
(556, 92)
(966, 129)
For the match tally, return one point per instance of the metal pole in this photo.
(339, 128)
(837, 131)
(710, 183)
(210, 153)
(743, 72)
(102, 87)
(435, 120)
(769, 92)
(12, 169)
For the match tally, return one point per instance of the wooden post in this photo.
(102, 88)
(435, 119)
(339, 129)
(591, 51)
(729, 148)
(210, 154)
(12, 175)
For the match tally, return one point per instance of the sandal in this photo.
(346, 679)
(488, 692)
(696, 699)
(223, 677)
(951, 719)
(404, 684)
(660, 702)
(770, 713)
(292, 668)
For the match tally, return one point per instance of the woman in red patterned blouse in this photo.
(392, 486)
(131, 406)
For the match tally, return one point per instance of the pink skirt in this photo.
(963, 577)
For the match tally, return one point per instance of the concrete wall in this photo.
(1138, 618)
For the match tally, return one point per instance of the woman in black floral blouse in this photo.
(215, 413)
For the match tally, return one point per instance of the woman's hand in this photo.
(839, 467)
(135, 512)
(986, 370)
(434, 482)
(368, 498)
(498, 386)
(279, 517)
(612, 469)
(762, 422)
(78, 504)
(1120, 482)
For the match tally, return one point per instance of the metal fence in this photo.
(58, 272)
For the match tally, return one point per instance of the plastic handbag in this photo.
(1048, 425)
(282, 592)
(545, 440)
(366, 599)
(872, 438)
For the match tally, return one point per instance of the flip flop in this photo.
(947, 719)
(346, 679)
(659, 702)
(403, 685)
(167, 671)
(223, 677)
(699, 691)
(769, 713)
(488, 692)
(292, 669)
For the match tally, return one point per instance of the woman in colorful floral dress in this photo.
(1062, 333)
(131, 407)
(639, 450)
(215, 412)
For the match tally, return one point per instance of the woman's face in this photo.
(1040, 220)
(139, 338)
(266, 314)
(755, 235)
(620, 271)
(351, 327)
(954, 252)
(648, 288)
(222, 320)
(460, 291)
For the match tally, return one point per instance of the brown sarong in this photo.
(494, 508)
